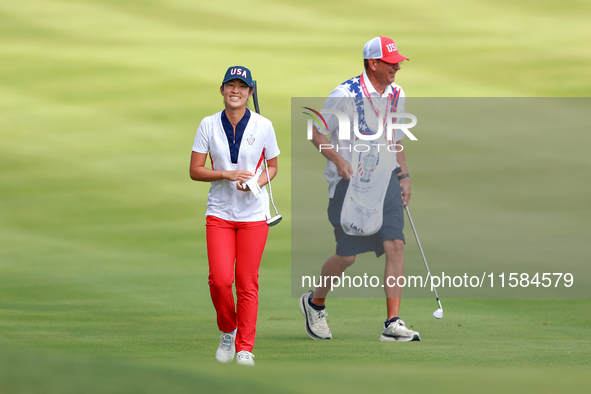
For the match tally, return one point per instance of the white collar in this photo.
(371, 89)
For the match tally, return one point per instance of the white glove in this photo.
(253, 186)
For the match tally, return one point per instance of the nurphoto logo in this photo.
(345, 126)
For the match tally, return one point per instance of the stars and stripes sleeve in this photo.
(339, 99)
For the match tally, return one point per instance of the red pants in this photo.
(236, 247)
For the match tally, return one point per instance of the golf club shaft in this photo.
(270, 190)
(422, 253)
(255, 98)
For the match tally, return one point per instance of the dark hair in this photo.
(365, 64)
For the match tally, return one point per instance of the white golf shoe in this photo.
(397, 331)
(244, 357)
(316, 326)
(227, 349)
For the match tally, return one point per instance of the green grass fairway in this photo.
(103, 271)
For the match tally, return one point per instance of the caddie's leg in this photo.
(334, 266)
(394, 249)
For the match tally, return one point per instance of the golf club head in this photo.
(438, 313)
(274, 220)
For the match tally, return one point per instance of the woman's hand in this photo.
(238, 175)
(199, 172)
(243, 188)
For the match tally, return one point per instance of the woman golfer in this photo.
(237, 141)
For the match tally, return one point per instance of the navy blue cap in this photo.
(238, 72)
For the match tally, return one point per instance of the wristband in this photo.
(401, 177)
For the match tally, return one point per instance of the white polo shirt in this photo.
(258, 139)
(348, 90)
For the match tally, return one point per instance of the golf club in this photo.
(277, 218)
(439, 312)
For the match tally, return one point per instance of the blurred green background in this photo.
(103, 272)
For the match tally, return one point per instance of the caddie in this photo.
(368, 183)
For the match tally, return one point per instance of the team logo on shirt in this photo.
(250, 139)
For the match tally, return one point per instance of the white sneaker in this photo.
(397, 331)
(316, 326)
(245, 358)
(227, 349)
